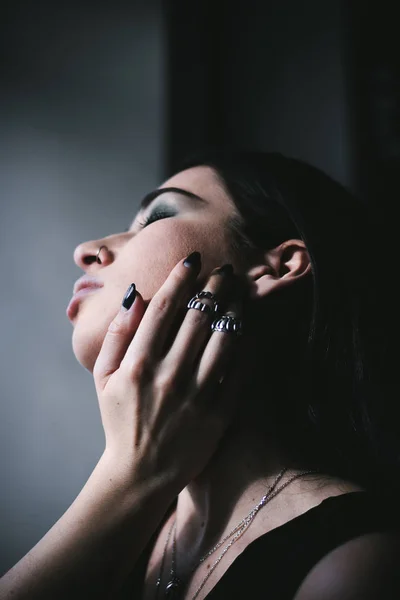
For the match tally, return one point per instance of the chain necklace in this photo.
(173, 587)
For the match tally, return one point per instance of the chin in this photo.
(85, 347)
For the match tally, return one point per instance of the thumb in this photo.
(118, 337)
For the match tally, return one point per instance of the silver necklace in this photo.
(173, 588)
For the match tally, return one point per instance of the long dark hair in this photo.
(325, 345)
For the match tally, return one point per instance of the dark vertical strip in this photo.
(351, 83)
(360, 132)
(194, 33)
(376, 105)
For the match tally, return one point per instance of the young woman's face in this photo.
(146, 255)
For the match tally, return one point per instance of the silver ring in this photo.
(97, 255)
(194, 303)
(227, 324)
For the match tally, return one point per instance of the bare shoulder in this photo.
(366, 567)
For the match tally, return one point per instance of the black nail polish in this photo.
(224, 270)
(129, 296)
(193, 260)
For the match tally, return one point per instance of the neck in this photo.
(233, 482)
(239, 474)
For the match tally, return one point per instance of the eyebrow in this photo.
(155, 193)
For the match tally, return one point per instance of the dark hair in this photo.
(327, 348)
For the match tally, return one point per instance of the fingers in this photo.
(160, 313)
(135, 337)
(196, 326)
(222, 345)
(118, 337)
(225, 396)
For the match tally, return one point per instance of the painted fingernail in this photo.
(193, 260)
(129, 296)
(224, 270)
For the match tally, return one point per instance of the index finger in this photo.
(161, 311)
(117, 339)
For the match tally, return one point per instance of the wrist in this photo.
(136, 480)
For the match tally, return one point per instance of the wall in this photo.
(81, 141)
(276, 79)
(286, 82)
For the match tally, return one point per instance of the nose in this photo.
(96, 251)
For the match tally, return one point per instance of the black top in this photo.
(275, 564)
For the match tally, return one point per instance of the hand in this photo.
(163, 409)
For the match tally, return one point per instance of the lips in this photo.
(86, 281)
(81, 289)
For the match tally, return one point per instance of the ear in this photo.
(278, 268)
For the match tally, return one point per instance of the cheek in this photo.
(151, 256)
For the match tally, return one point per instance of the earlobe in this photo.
(280, 267)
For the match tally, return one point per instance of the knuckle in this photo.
(161, 302)
(118, 326)
(198, 316)
(97, 371)
(140, 369)
(166, 382)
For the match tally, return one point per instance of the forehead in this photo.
(204, 182)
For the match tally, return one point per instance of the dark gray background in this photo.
(81, 124)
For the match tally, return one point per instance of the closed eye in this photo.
(155, 215)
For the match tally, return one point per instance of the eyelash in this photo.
(155, 216)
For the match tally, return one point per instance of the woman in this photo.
(242, 391)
